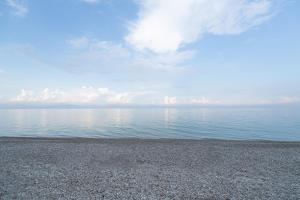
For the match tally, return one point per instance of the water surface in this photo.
(192, 123)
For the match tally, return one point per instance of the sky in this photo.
(150, 52)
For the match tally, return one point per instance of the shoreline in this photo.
(107, 139)
(89, 168)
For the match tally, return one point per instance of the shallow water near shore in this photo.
(251, 123)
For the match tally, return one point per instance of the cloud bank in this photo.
(98, 96)
(166, 25)
(173, 100)
(83, 95)
(105, 96)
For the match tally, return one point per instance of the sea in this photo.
(232, 123)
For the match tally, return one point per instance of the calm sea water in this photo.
(223, 123)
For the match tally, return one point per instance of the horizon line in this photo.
(132, 105)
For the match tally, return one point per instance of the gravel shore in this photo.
(33, 168)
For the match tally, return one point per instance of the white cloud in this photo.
(190, 100)
(170, 100)
(203, 100)
(289, 99)
(166, 25)
(81, 95)
(91, 95)
(79, 42)
(92, 54)
(18, 8)
(91, 1)
(98, 96)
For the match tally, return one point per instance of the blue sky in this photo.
(206, 52)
